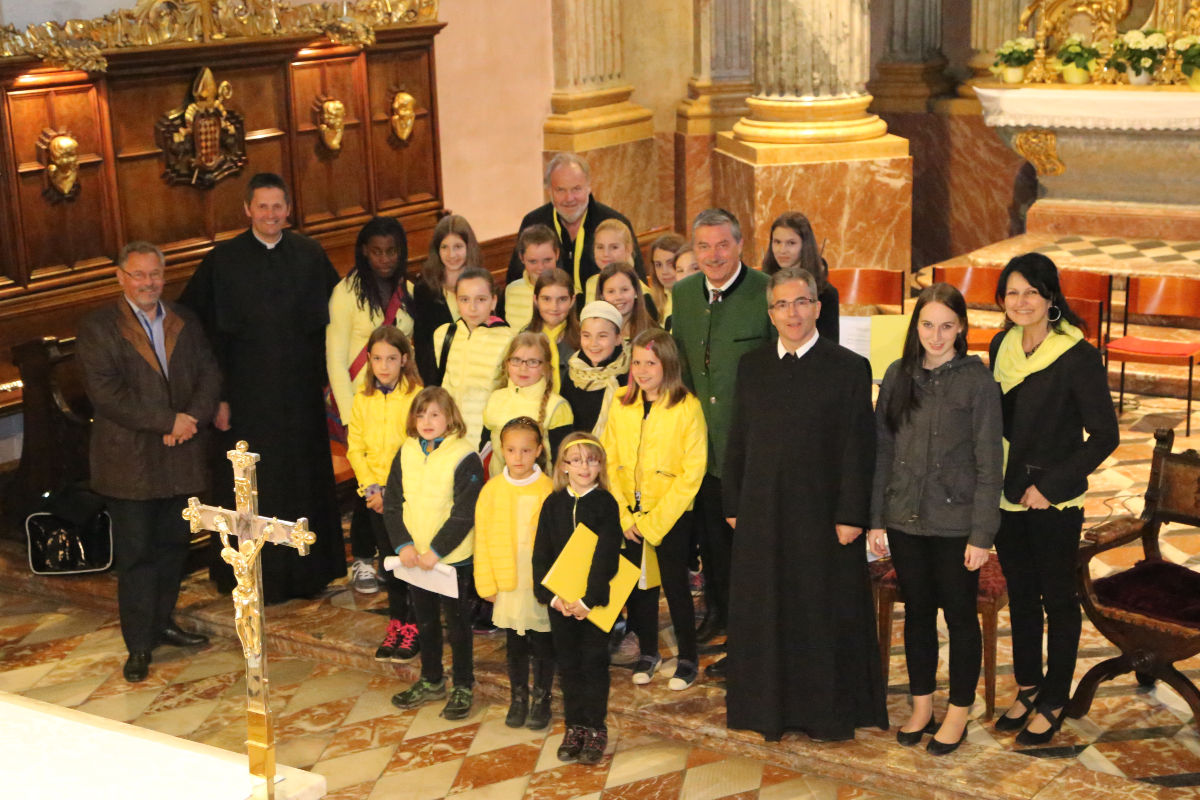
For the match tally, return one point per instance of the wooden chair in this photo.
(1160, 296)
(978, 287)
(1150, 611)
(1077, 284)
(1091, 312)
(869, 286)
(992, 596)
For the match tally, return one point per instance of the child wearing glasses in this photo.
(526, 390)
(506, 519)
(580, 497)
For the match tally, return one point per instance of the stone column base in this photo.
(710, 106)
(858, 196)
(904, 87)
(1123, 220)
(581, 121)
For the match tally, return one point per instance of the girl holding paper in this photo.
(657, 449)
(580, 499)
(429, 511)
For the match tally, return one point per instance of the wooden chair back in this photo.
(1165, 296)
(1091, 312)
(977, 284)
(869, 286)
(1077, 283)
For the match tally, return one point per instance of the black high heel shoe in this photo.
(936, 748)
(910, 738)
(1025, 697)
(1054, 717)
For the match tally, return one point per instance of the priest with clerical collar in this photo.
(263, 299)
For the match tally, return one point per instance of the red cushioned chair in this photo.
(993, 596)
(1158, 296)
(1150, 611)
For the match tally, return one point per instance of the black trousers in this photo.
(672, 555)
(431, 610)
(520, 648)
(931, 575)
(399, 603)
(1037, 552)
(716, 547)
(362, 538)
(151, 542)
(581, 650)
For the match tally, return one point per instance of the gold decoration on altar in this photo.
(81, 43)
(58, 151)
(202, 141)
(404, 114)
(251, 532)
(1040, 148)
(330, 116)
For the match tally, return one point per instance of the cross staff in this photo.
(251, 532)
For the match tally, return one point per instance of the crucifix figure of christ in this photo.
(243, 533)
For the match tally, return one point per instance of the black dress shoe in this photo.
(174, 635)
(1054, 717)
(1025, 697)
(717, 668)
(910, 738)
(936, 748)
(137, 666)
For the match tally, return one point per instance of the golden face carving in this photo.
(404, 113)
(59, 151)
(332, 123)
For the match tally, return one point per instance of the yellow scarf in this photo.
(553, 332)
(593, 379)
(1013, 366)
(578, 254)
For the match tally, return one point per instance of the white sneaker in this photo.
(645, 669)
(363, 578)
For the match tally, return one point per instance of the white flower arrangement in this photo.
(1188, 48)
(1015, 52)
(1139, 51)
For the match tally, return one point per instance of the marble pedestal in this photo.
(860, 207)
(693, 176)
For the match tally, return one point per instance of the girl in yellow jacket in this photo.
(506, 518)
(526, 391)
(469, 350)
(429, 510)
(657, 449)
(378, 418)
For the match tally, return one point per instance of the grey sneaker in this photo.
(643, 671)
(459, 704)
(363, 578)
(420, 693)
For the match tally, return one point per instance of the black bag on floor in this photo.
(70, 534)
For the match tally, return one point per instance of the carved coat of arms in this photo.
(203, 141)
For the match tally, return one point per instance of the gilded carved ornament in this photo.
(404, 114)
(202, 141)
(81, 43)
(1040, 148)
(330, 116)
(58, 151)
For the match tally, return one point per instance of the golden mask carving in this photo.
(80, 43)
(404, 114)
(59, 152)
(1040, 148)
(203, 141)
(330, 114)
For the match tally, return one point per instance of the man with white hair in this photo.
(573, 214)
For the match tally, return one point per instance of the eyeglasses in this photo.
(781, 306)
(532, 363)
(142, 277)
(591, 461)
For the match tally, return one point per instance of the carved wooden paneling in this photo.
(405, 172)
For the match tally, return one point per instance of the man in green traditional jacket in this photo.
(720, 314)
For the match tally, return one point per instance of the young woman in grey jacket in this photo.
(938, 476)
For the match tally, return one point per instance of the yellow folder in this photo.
(567, 577)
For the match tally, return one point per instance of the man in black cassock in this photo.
(797, 486)
(263, 299)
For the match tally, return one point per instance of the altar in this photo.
(47, 751)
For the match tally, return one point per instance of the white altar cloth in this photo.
(1091, 108)
(47, 751)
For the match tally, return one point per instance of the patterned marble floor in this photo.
(59, 642)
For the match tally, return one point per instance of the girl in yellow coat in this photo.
(378, 419)
(526, 391)
(657, 449)
(506, 518)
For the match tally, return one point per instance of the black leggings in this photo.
(431, 609)
(399, 602)
(931, 575)
(1037, 550)
(581, 650)
(673, 553)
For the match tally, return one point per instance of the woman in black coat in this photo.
(1055, 388)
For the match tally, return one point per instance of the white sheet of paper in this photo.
(854, 333)
(442, 579)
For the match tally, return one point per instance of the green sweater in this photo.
(727, 330)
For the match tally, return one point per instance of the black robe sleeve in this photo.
(857, 467)
(735, 445)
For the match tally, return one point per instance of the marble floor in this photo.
(59, 642)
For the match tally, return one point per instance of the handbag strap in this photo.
(389, 318)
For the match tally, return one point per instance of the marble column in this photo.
(716, 98)
(810, 145)
(992, 23)
(590, 109)
(912, 70)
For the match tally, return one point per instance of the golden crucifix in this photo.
(251, 532)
